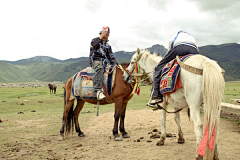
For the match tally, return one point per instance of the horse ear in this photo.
(138, 51)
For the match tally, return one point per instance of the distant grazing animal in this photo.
(52, 88)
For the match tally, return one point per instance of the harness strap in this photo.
(189, 68)
(193, 69)
(106, 94)
(120, 67)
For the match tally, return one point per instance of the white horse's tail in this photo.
(212, 89)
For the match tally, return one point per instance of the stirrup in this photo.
(154, 106)
(155, 101)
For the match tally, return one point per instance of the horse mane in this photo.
(146, 53)
(124, 64)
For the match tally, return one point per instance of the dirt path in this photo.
(139, 123)
(99, 143)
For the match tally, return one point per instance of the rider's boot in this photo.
(100, 95)
(155, 99)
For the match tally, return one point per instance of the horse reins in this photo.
(139, 75)
(160, 107)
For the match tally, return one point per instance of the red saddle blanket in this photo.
(170, 79)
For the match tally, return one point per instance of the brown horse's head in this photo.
(50, 85)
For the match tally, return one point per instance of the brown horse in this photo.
(52, 88)
(121, 94)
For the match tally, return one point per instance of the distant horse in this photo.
(121, 94)
(197, 89)
(52, 88)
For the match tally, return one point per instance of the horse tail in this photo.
(69, 125)
(212, 89)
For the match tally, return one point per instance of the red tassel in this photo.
(3, 120)
(203, 144)
(138, 91)
(212, 139)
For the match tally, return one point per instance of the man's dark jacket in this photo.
(100, 51)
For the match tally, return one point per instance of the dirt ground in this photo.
(99, 142)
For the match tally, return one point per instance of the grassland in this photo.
(12, 98)
(34, 114)
(232, 91)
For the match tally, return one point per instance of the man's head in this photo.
(104, 32)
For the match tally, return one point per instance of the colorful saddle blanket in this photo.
(170, 79)
(83, 85)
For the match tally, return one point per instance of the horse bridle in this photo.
(137, 74)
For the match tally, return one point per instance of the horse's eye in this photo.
(132, 62)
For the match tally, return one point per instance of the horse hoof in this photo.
(125, 136)
(81, 135)
(118, 139)
(181, 140)
(160, 143)
(199, 157)
(61, 138)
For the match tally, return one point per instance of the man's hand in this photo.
(103, 34)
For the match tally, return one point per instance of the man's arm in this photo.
(95, 42)
(90, 58)
(110, 56)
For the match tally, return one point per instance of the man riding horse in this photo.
(100, 53)
(181, 44)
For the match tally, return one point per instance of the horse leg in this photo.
(198, 126)
(163, 125)
(215, 156)
(67, 107)
(118, 107)
(216, 153)
(122, 117)
(178, 121)
(77, 110)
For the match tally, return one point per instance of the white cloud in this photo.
(63, 29)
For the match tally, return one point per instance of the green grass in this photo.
(54, 103)
(232, 91)
(32, 129)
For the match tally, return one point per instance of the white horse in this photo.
(197, 89)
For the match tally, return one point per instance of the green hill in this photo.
(34, 59)
(227, 56)
(12, 73)
(45, 68)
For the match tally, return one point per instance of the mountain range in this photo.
(44, 68)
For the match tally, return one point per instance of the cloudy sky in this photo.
(63, 29)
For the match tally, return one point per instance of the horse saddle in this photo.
(170, 79)
(82, 86)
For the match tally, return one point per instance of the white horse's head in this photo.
(131, 67)
(135, 58)
(140, 57)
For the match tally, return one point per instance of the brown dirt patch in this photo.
(99, 142)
